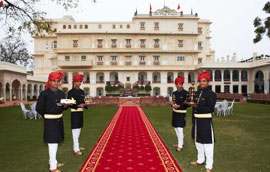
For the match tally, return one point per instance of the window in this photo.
(75, 26)
(156, 45)
(54, 44)
(180, 58)
(121, 26)
(55, 30)
(156, 25)
(156, 58)
(67, 58)
(83, 58)
(142, 58)
(86, 26)
(99, 43)
(199, 60)
(100, 26)
(142, 25)
(200, 46)
(128, 78)
(180, 43)
(114, 58)
(180, 26)
(128, 42)
(199, 30)
(81, 26)
(99, 58)
(217, 89)
(64, 26)
(128, 26)
(113, 26)
(142, 43)
(113, 43)
(227, 89)
(127, 58)
(69, 26)
(75, 43)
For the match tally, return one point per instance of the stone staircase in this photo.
(127, 92)
(129, 101)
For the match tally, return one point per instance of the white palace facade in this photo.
(152, 49)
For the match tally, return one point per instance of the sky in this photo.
(232, 28)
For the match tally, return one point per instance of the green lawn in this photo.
(242, 139)
(21, 144)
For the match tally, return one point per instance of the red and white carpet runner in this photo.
(130, 143)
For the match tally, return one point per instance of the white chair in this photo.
(33, 109)
(230, 109)
(25, 111)
(218, 107)
(224, 107)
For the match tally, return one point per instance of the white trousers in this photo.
(52, 155)
(180, 136)
(206, 150)
(76, 135)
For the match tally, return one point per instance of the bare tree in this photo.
(19, 15)
(13, 50)
(262, 26)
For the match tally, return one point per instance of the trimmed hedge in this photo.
(267, 102)
(143, 94)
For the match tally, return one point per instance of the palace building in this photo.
(151, 49)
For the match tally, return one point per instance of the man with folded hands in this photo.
(77, 112)
(49, 107)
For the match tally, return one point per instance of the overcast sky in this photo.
(232, 29)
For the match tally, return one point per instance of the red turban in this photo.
(205, 75)
(54, 76)
(179, 79)
(77, 78)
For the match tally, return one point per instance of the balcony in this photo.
(128, 62)
(99, 63)
(100, 45)
(217, 79)
(142, 28)
(86, 82)
(114, 45)
(244, 79)
(156, 62)
(142, 62)
(200, 48)
(180, 45)
(235, 79)
(75, 45)
(156, 28)
(180, 29)
(142, 45)
(113, 62)
(128, 45)
(169, 81)
(72, 62)
(156, 45)
(100, 82)
(156, 82)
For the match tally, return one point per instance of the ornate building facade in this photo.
(152, 49)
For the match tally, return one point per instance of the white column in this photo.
(93, 77)
(266, 86)
(231, 88)
(149, 76)
(213, 76)
(70, 78)
(106, 76)
(163, 77)
(10, 93)
(32, 91)
(38, 90)
(222, 76)
(231, 76)
(21, 92)
(4, 93)
(25, 92)
(186, 77)
(239, 75)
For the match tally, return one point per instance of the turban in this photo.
(205, 75)
(179, 79)
(54, 76)
(77, 78)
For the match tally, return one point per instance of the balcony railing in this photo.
(113, 63)
(217, 79)
(200, 48)
(244, 79)
(235, 79)
(156, 82)
(142, 62)
(86, 82)
(128, 45)
(169, 81)
(128, 63)
(74, 62)
(100, 45)
(99, 63)
(114, 45)
(180, 45)
(100, 82)
(142, 83)
(156, 62)
(142, 45)
(156, 45)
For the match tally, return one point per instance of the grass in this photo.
(21, 144)
(242, 139)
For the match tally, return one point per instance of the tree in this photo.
(262, 26)
(13, 50)
(19, 15)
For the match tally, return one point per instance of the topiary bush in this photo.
(148, 88)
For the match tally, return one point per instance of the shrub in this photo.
(142, 87)
(114, 88)
(108, 88)
(148, 88)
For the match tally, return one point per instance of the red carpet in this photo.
(130, 143)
